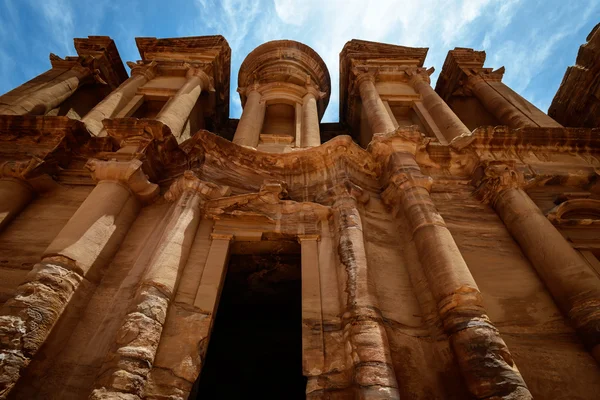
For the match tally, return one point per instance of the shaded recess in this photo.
(255, 348)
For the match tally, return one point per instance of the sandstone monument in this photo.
(433, 244)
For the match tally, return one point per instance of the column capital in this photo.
(128, 173)
(483, 75)
(21, 170)
(189, 182)
(315, 92)
(400, 183)
(207, 81)
(343, 192)
(85, 66)
(403, 140)
(417, 75)
(492, 178)
(362, 76)
(147, 70)
(254, 87)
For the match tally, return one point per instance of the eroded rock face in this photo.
(577, 101)
(155, 249)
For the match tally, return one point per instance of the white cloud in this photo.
(59, 16)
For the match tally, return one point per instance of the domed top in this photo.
(285, 61)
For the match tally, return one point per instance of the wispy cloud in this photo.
(535, 39)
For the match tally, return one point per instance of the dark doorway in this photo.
(255, 349)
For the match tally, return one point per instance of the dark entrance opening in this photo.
(255, 349)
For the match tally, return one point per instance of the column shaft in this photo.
(86, 244)
(251, 122)
(473, 338)
(15, 194)
(446, 120)
(311, 136)
(48, 96)
(495, 103)
(178, 109)
(112, 104)
(377, 115)
(132, 356)
(372, 366)
(573, 285)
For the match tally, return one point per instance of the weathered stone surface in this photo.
(577, 101)
(418, 253)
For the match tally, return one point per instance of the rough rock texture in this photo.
(148, 257)
(577, 101)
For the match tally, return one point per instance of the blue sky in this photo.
(534, 40)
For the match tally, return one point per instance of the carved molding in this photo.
(190, 182)
(128, 173)
(576, 212)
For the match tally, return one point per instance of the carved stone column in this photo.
(574, 287)
(176, 112)
(126, 369)
(311, 136)
(495, 103)
(369, 353)
(450, 125)
(482, 356)
(379, 119)
(85, 245)
(15, 191)
(48, 95)
(115, 101)
(251, 122)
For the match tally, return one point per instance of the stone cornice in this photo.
(189, 182)
(36, 145)
(127, 173)
(575, 140)
(105, 53)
